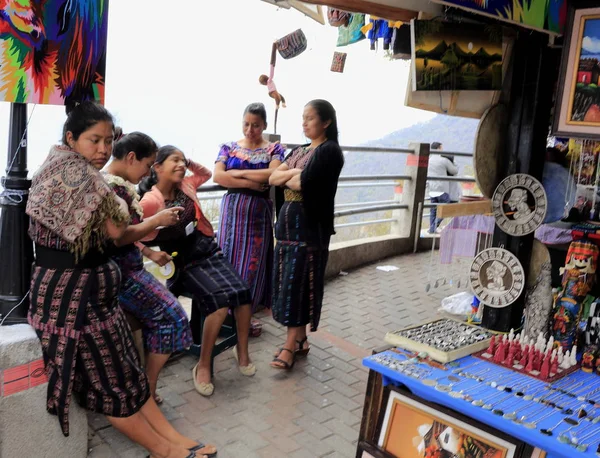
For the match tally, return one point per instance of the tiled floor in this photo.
(313, 411)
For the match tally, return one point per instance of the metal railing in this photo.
(349, 209)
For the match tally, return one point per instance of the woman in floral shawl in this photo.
(86, 341)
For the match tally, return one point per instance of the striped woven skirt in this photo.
(246, 238)
(86, 342)
(299, 270)
(207, 275)
(165, 325)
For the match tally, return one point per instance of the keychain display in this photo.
(565, 410)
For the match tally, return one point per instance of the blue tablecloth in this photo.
(551, 445)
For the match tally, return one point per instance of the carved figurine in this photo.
(578, 276)
(587, 360)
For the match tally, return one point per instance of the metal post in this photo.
(16, 248)
(413, 191)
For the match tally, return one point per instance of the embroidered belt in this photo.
(292, 196)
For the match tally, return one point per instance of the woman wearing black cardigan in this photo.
(304, 227)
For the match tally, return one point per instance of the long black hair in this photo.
(326, 112)
(163, 154)
(83, 116)
(141, 144)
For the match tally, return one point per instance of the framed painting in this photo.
(368, 450)
(53, 51)
(456, 56)
(543, 15)
(412, 429)
(577, 110)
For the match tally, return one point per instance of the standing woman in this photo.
(304, 227)
(86, 341)
(165, 324)
(246, 224)
(201, 268)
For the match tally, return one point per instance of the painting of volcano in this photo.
(456, 57)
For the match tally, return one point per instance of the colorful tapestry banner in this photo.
(549, 15)
(52, 51)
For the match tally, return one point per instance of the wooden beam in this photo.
(480, 207)
(361, 6)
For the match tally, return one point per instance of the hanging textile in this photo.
(339, 62)
(352, 33)
(338, 18)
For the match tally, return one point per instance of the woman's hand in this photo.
(295, 183)
(260, 187)
(160, 257)
(168, 216)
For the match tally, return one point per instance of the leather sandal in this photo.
(205, 389)
(200, 446)
(302, 351)
(248, 370)
(191, 455)
(284, 364)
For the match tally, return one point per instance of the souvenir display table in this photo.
(560, 419)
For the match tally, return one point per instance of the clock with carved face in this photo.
(497, 277)
(519, 204)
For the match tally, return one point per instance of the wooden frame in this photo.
(391, 13)
(315, 12)
(573, 79)
(400, 402)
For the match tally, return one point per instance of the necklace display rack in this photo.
(567, 410)
(443, 340)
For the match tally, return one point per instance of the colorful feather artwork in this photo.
(52, 51)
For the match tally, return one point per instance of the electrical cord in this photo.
(14, 308)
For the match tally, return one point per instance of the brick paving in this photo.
(312, 411)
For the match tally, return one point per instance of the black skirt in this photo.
(86, 340)
(301, 254)
(203, 271)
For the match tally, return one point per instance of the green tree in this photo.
(450, 59)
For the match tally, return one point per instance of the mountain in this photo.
(436, 52)
(456, 134)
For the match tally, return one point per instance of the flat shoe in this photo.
(205, 389)
(248, 370)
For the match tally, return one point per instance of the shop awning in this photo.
(396, 10)
(543, 15)
(313, 11)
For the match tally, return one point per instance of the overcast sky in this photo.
(184, 75)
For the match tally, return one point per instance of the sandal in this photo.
(191, 455)
(255, 328)
(200, 446)
(285, 365)
(302, 351)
